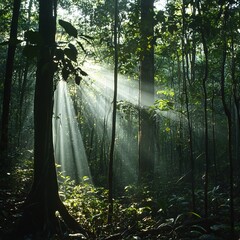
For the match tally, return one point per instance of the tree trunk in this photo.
(111, 155)
(146, 144)
(8, 80)
(43, 201)
(204, 81)
(189, 124)
(229, 124)
(25, 80)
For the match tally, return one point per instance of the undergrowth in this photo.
(140, 212)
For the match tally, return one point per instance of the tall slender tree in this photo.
(111, 157)
(189, 122)
(204, 86)
(8, 80)
(228, 116)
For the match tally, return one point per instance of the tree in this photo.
(189, 122)
(8, 79)
(228, 114)
(43, 201)
(111, 157)
(204, 83)
(146, 156)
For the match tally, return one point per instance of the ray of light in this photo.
(97, 97)
(68, 145)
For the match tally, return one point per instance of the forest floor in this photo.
(15, 183)
(10, 204)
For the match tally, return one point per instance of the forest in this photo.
(120, 119)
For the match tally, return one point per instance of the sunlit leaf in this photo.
(168, 129)
(195, 214)
(198, 228)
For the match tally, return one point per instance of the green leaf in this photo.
(59, 54)
(73, 48)
(65, 73)
(168, 129)
(69, 28)
(78, 79)
(71, 54)
(195, 214)
(86, 38)
(83, 73)
(81, 46)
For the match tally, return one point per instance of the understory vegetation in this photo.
(140, 212)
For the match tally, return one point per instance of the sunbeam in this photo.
(96, 95)
(68, 145)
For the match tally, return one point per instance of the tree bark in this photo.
(146, 88)
(43, 201)
(8, 80)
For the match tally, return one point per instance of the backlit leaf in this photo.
(69, 28)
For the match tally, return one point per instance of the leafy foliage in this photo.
(140, 213)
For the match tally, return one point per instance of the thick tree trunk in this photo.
(8, 80)
(43, 200)
(146, 144)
